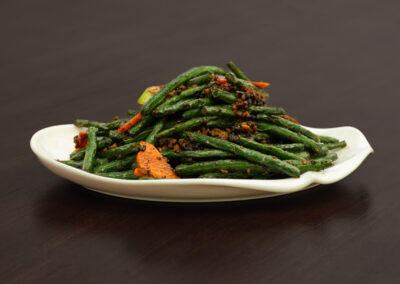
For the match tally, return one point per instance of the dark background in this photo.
(331, 63)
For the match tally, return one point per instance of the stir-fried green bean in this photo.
(206, 123)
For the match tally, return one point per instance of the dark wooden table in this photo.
(331, 63)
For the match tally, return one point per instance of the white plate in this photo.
(56, 142)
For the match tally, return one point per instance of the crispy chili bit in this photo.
(80, 140)
(287, 117)
(260, 84)
(221, 79)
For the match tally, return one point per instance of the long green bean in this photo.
(236, 71)
(289, 125)
(91, 148)
(289, 135)
(248, 154)
(158, 97)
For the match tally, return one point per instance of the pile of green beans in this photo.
(189, 108)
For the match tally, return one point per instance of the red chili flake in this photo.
(80, 141)
(221, 79)
(287, 117)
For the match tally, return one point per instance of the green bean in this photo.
(88, 123)
(116, 165)
(114, 124)
(327, 139)
(330, 156)
(303, 154)
(236, 71)
(292, 147)
(219, 123)
(101, 161)
(192, 113)
(261, 136)
(218, 111)
(120, 175)
(190, 124)
(225, 96)
(122, 151)
(102, 126)
(91, 148)
(72, 163)
(266, 110)
(199, 80)
(193, 102)
(194, 169)
(78, 155)
(186, 94)
(292, 136)
(207, 154)
(171, 123)
(139, 137)
(198, 154)
(172, 155)
(312, 165)
(336, 145)
(197, 112)
(157, 128)
(102, 142)
(182, 105)
(243, 83)
(227, 175)
(158, 97)
(239, 175)
(289, 125)
(115, 136)
(315, 166)
(78, 164)
(140, 125)
(248, 154)
(267, 149)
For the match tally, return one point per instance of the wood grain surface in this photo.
(331, 63)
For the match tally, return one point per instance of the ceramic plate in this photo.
(56, 142)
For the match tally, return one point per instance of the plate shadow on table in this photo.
(69, 207)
